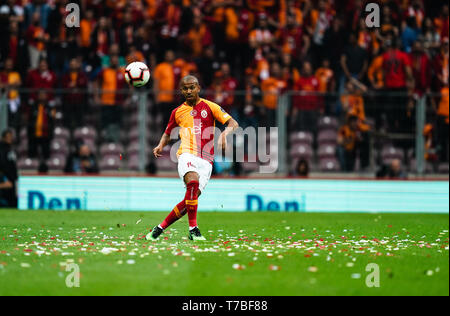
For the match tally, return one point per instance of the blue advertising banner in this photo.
(233, 195)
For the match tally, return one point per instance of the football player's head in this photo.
(190, 88)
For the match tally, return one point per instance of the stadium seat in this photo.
(59, 147)
(133, 162)
(134, 134)
(329, 165)
(443, 168)
(301, 151)
(85, 133)
(22, 149)
(133, 119)
(110, 163)
(305, 138)
(390, 153)
(413, 166)
(250, 167)
(327, 151)
(327, 137)
(23, 134)
(28, 164)
(111, 149)
(61, 133)
(328, 123)
(165, 164)
(56, 163)
(91, 144)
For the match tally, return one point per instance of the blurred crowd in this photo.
(246, 53)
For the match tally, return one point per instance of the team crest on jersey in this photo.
(193, 113)
(204, 114)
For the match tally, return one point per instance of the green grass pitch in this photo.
(245, 254)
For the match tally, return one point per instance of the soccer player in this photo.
(196, 117)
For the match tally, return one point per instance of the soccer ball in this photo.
(137, 74)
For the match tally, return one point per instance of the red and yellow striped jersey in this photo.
(197, 127)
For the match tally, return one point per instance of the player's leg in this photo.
(188, 205)
(192, 181)
(178, 212)
(198, 180)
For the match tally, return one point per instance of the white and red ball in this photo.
(137, 74)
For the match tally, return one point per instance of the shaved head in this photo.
(189, 79)
(190, 89)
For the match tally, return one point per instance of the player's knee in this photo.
(191, 176)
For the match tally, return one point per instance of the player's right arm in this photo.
(165, 139)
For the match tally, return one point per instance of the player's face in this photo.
(190, 90)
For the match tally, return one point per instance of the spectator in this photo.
(306, 107)
(198, 37)
(349, 141)
(431, 37)
(87, 25)
(135, 55)
(353, 104)
(334, 40)
(442, 124)
(325, 76)
(37, 39)
(40, 130)
(421, 69)
(82, 161)
(168, 16)
(42, 78)
(261, 39)
(111, 81)
(62, 43)
(440, 66)
(271, 88)
(15, 43)
(126, 32)
(164, 85)
(397, 76)
(11, 81)
(74, 103)
(252, 103)
(354, 62)
(230, 84)
(39, 7)
(239, 21)
(8, 171)
(320, 21)
(101, 39)
(290, 70)
(393, 171)
(292, 39)
(114, 50)
(375, 72)
(207, 66)
(10, 14)
(431, 150)
(441, 22)
(216, 90)
(410, 34)
(301, 169)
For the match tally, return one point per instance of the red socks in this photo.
(178, 212)
(188, 205)
(191, 200)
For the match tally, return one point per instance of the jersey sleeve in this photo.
(219, 113)
(172, 123)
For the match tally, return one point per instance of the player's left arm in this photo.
(225, 119)
(232, 125)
